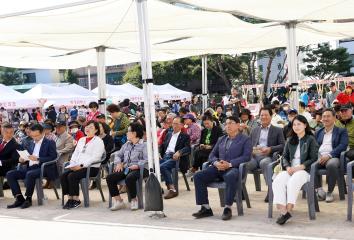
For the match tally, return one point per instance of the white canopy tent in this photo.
(57, 96)
(118, 93)
(280, 10)
(78, 90)
(11, 99)
(169, 92)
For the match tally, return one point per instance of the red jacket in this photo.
(344, 98)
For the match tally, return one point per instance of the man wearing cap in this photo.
(64, 144)
(48, 127)
(347, 122)
(193, 129)
(332, 94)
(74, 130)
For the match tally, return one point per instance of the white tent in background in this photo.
(118, 93)
(76, 89)
(11, 99)
(169, 92)
(58, 95)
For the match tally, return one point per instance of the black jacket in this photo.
(216, 132)
(182, 145)
(9, 157)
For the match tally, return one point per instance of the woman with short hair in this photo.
(128, 161)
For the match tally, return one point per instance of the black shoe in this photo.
(68, 204)
(283, 218)
(26, 204)
(75, 204)
(18, 203)
(227, 214)
(266, 198)
(203, 212)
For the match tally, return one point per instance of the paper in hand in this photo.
(24, 155)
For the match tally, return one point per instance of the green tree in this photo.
(10, 76)
(325, 63)
(70, 77)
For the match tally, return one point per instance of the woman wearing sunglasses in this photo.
(89, 150)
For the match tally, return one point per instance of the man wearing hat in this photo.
(64, 144)
(332, 94)
(348, 123)
(193, 129)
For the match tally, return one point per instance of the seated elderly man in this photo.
(228, 153)
(332, 141)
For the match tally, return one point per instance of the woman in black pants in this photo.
(89, 150)
(128, 161)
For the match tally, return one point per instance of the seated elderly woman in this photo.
(301, 150)
(127, 161)
(89, 150)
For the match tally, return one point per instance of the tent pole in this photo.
(101, 78)
(293, 71)
(146, 72)
(89, 76)
(204, 82)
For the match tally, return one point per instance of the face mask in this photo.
(62, 111)
(286, 108)
(74, 130)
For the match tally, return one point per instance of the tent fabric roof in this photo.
(280, 10)
(66, 38)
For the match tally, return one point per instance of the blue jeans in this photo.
(166, 166)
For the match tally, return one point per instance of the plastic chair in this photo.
(350, 166)
(308, 188)
(1, 186)
(139, 187)
(240, 191)
(175, 177)
(85, 182)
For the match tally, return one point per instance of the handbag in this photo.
(279, 167)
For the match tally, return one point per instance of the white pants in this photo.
(286, 188)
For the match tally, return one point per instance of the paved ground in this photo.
(98, 222)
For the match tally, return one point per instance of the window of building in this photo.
(29, 78)
(260, 68)
(279, 66)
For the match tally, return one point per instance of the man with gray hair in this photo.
(332, 94)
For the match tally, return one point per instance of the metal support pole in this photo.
(146, 72)
(89, 77)
(101, 78)
(293, 70)
(204, 82)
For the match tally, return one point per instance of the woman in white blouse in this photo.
(301, 150)
(89, 150)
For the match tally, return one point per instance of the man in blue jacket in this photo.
(41, 150)
(227, 155)
(332, 141)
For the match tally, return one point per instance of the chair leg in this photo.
(270, 200)
(56, 192)
(186, 181)
(99, 187)
(317, 207)
(303, 194)
(175, 178)
(350, 197)
(1, 186)
(139, 187)
(245, 194)
(40, 194)
(341, 186)
(85, 192)
(239, 202)
(109, 200)
(222, 196)
(311, 203)
(257, 181)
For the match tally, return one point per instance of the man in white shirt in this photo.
(176, 146)
(41, 150)
(332, 141)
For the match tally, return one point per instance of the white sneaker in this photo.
(117, 205)
(329, 197)
(321, 195)
(134, 205)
